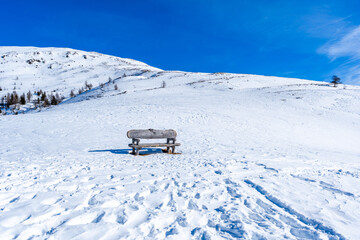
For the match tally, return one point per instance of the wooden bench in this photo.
(136, 135)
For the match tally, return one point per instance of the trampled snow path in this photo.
(108, 199)
(262, 163)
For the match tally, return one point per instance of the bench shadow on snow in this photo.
(143, 151)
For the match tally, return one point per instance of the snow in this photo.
(60, 69)
(261, 157)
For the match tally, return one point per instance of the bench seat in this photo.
(144, 145)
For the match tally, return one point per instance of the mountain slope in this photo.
(29, 68)
(262, 157)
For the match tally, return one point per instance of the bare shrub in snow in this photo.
(72, 94)
(335, 80)
(88, 86)
(163, 84)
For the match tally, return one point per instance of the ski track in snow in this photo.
(262, 158)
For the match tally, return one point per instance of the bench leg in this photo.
(137, 151)
(167, 149)
(133, 151)
(170, 150)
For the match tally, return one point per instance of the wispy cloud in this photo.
(324, 25)
(348, 47)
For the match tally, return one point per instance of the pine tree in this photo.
(46, 102)
(28, 96)
(17, 98)
(2, 105)
(43, 96)
(14, 98)
(8, 99)
(22, 99)
(53, 100)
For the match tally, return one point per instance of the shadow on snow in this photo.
(143, 151)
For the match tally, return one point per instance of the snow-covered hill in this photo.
(262, 157)
(61, 69)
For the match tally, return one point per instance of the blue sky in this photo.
(303, 39)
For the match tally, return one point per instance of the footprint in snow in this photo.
(121, 217)
(95, 199)
(192, 205)
(86, 218)
(182, 221)
(167, 186)
(14, 199)
(172, 203)
(138, 198)
(172, 231)
(198, 233)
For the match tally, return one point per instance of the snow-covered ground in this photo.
(261, 158)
